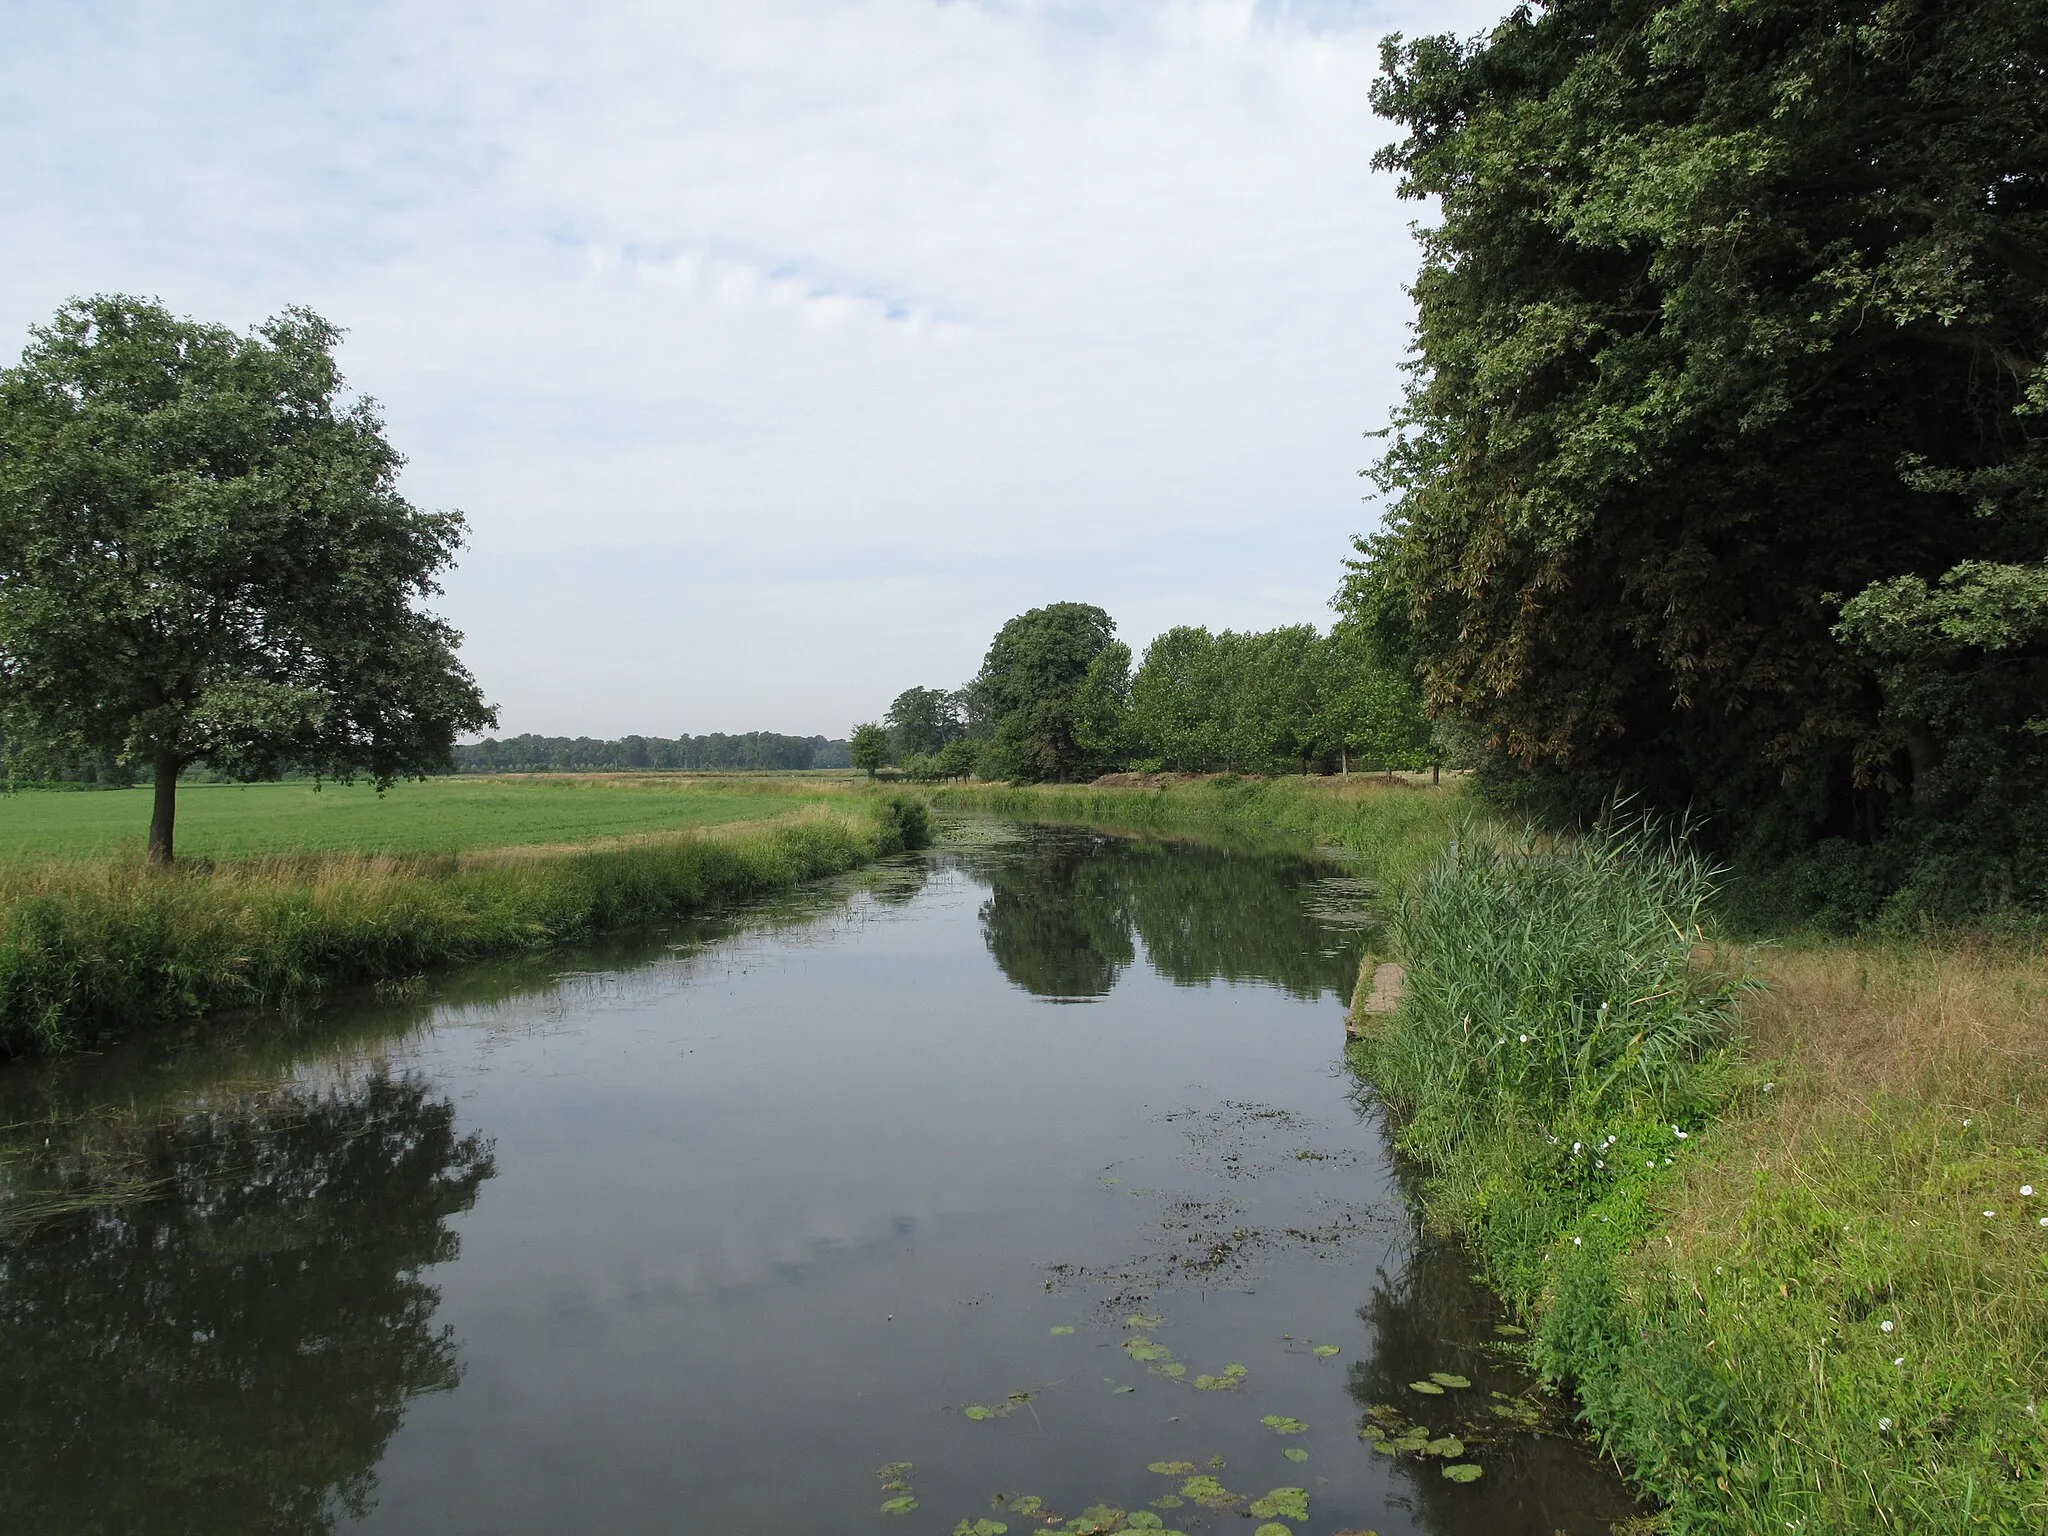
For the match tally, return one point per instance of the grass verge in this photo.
(1787, 1243)
(91, 950)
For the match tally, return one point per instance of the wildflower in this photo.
(1884, 1426)
(1769, 1086)
(1523, 1038)
(1901, 1360)
(1598, 1164)
(2044, 1221)
(1678, 1133)
(1652, 1162)
(1887, 1325)
(1966, 1125)
(2027, 1190)
(1991, 1213)
(1576, 1149)
(1578, 1242)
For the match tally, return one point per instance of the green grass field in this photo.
(437, 816)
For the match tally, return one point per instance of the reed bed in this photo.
(92, 950)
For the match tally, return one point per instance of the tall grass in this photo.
(1710, 1247)
(94, 950)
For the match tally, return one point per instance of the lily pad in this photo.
(1326, 1350)
(902, 1504)
(1173, 1369)
(980, 1528)
(1462, 1472)
(1295, 1453)
(1026, 1504)
(1143, 1520)
(1509, 1330)
(1144, 1320)
(1272, 1528)
(1145, 1349)
(1227, 1381)
(1384, 1447)
(1291, 1502)
(1208, 1493)
(1061, 1330)
(1097, 1520)
(1430, 1388)
(1171, 1468)
(1168, 1501)
(1281, 1424)
(1450, 1379)
(1449, 1447)
(977, 1412)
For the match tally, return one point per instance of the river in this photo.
(980, 1186)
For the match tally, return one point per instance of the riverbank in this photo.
(92, 950)
(1775, 1216)
(1780, 1220)
(1395, 825)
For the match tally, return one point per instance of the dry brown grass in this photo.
(1858, 1023)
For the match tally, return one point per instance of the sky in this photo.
(778, 351)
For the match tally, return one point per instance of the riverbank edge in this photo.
(1717, 1321)
(95, 950)
(1394, 826)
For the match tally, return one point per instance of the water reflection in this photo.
(1066, 912)
(211, 1320)
(1425, 1316)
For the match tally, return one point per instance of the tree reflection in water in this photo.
(230, 1347)
(1065, 922)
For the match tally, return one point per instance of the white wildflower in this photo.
(1887, 1325)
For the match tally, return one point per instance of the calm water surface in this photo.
(706, 1233)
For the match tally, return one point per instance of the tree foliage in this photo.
(1027, 692)
(868, 747)
(204, 557)
(1723, 477)
(923, 721)
(712, 753)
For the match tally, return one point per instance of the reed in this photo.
(92, 950)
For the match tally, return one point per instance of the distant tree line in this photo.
(1057, 698)
(717, 752)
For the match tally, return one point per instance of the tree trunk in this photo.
(164, 817)
(1436, 773)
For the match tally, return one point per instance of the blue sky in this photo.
(778, 351)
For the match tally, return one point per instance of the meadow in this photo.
(96, 946)
(449, 815)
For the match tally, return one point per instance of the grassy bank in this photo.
(1396, 825)
(1786, 1241)
(94, 949)
(453, 815)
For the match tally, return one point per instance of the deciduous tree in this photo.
(204, 558)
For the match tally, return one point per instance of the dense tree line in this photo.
(1057, 698)
(716, 752)
(1723, 477)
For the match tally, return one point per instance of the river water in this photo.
(1029, 1162)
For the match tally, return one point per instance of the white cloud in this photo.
(778, 351)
